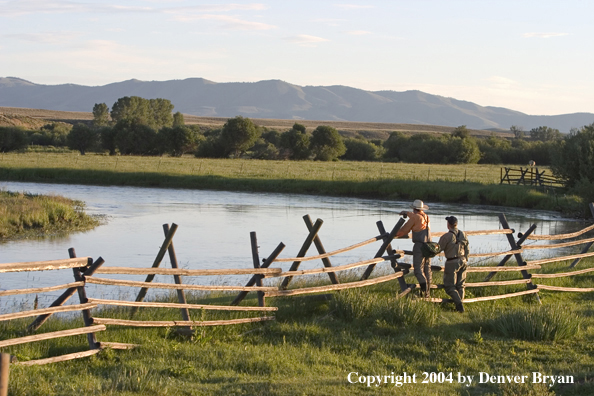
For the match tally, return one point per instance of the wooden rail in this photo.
(488, 298)
(51, 335)
(342, 286)
(329, 254)
(177, 305)
(181, 323)
(157, 285)
(45, 265)
(36, 290)
(188, 272)
(36, 312)
(561, 236)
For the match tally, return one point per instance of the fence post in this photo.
(519, 259)
(321, 250)
(382, 249)
(82, 296)
(520, 241)
(269, 260)
(588, 246)
(4, 373)
(256, 260)
(64, 297)
(181, 296)
(401, 281)
(306, 244)
(156, 263)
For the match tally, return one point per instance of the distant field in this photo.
(476, 184)
(369, 130)
(250, 169)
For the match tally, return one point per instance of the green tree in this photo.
(100, 115)
(156, 113)
(177, 140)
(326, 143)
(136, 138)
(299, 127)
(574, 159)
(161, 112)
(178, 120)
(82, 138)
(107, 136)
(545, 134)
(393, 146)
(12, 138)
(295, 143)
(53, 134)
(238, 135)
(518, 131)
(462, 132)
(360, 150)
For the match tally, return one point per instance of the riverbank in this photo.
(314, 345)
(27, 215)
(474, 184)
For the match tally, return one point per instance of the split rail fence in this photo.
(529, 176)
(86, 271)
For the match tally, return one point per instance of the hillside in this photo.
(35, 118)
(275, 99)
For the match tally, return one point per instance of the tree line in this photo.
(138, 126)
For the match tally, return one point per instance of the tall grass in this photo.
(540, 323)
(358, 304)
(23, 215)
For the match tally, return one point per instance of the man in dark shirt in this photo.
(454, 244)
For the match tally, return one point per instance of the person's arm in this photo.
(444, 240)
(405, 229)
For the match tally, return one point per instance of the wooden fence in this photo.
(529, 176)
(78, 266)
(86, 271)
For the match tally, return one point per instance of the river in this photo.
(214, 228)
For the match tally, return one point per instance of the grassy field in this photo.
(313, 346)
(25, 215)
(477, 184)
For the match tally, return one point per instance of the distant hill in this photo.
(275, 99)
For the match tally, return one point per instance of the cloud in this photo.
(229, 22)
(358, 32)
(544, 35)
(353, 6)
(305, 40)
(26, 7)
(329, 21)
(43, 38)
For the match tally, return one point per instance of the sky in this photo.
(531, 56)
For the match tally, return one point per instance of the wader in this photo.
(422, 265)
(454, 277)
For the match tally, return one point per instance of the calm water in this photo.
(214, 229)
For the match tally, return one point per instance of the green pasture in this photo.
(314, 344)
(477, 184)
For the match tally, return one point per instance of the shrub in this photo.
(12, 138)
(542, 323)
(326, 143)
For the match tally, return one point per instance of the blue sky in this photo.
(531, 56)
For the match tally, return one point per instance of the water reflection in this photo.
(214, 228)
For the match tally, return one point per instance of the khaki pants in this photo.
(454, 277)
(422, 266)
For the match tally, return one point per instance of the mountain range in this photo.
(277, 99)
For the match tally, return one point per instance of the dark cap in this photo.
(452, 220)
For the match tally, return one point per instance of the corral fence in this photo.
(530, 176)
(86, 271)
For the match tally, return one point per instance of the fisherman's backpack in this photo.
(462, 244)
(430, 249)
